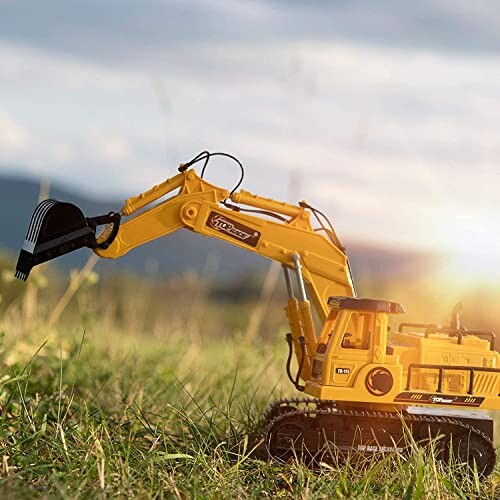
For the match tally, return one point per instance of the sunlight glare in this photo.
(472, 252)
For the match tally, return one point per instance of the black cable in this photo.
(331, 231)
(289, 340)
(302, 344)
(203, 155)
(320, 222)
(227, 155)
(325, 218)
(206, 155)
(333, 237)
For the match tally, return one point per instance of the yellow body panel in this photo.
(346, 370)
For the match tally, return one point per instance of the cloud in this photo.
(129, 32)
(14, 138)
(392, 138)
(113, 149)
(435, 25)
(61, 153)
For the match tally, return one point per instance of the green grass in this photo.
(104, 414)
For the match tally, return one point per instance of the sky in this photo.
(384, 114)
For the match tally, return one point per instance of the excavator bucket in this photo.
(56, 228)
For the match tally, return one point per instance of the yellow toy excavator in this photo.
(369, 388)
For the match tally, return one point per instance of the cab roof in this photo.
(372, 305)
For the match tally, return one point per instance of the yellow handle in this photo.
(253, 200)
(137, 202)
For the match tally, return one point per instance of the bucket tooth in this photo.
(20, 275)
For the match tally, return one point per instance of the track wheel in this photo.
(286, 437)
(474, 449)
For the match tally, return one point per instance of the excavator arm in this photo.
(202, 208)
(276, 230)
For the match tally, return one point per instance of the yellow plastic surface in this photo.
(198, 202)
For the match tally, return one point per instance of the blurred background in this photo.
(383, 114)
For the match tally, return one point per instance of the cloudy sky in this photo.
(385, 114)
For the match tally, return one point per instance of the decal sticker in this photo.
(379, 381)
(441, 400)
(438, 399)
(379, 449)
(343, 371)
(233, 228)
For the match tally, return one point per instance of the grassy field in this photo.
(102, 413)
(155, 390)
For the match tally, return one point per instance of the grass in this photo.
(104, 414)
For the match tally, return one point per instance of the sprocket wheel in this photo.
(285, 438)
(472, 450)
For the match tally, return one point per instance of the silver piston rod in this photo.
(300, 278)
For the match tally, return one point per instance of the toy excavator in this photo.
(369, 391)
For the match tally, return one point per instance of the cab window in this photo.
(359, 331)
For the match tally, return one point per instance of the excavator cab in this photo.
(353, 337)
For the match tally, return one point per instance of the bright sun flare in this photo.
(473, 253)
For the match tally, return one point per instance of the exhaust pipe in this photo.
(57, 228)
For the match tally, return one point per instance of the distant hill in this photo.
(182, 251)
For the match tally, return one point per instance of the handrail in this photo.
(431, 328)
(452, 332)
(441, 368)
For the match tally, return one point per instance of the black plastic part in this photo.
(289, 341)
(315, 431)
(372, 305)
(57, 228)
(321, 349)
(111, 218)
(295, 382)
(302, 343)
(476, 419)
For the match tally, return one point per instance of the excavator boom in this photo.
(201, 207)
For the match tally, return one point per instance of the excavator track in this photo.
(307, 428)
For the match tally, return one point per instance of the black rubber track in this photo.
(307, 428)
